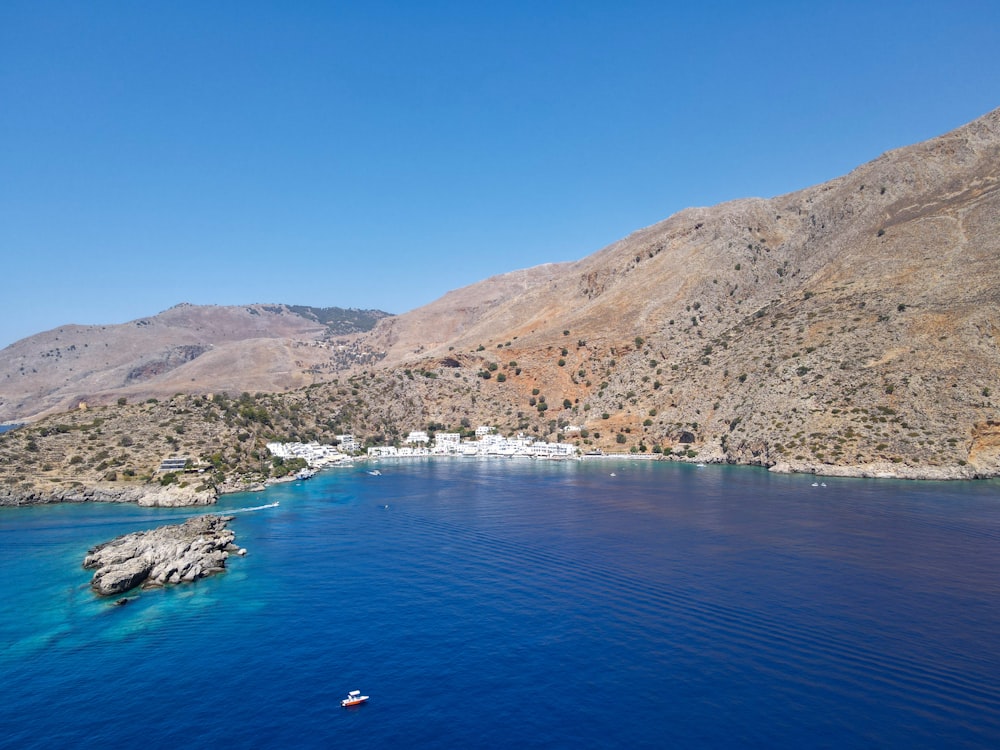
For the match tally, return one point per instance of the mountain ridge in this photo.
(848, 327)
(901, 249)
(270, 346)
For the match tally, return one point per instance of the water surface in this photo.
(499, 603)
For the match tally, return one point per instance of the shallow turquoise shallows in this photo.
(514, 603)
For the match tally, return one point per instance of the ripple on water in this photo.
(492, 604)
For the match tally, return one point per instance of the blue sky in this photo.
(380, 154)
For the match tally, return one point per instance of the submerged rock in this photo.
(194, 549)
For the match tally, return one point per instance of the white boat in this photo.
(354, 698)
(305, 474)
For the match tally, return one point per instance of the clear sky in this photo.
(379, 154)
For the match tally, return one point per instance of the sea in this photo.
(497, 603)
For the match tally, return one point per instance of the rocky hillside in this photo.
(850, 324)
(186, 348)
(113, 453)
(850, 327)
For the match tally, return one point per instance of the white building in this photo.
(489, 443)
(553, 450)
(347, 443)
(314, 454)
(447, 442)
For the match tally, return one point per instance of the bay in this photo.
(499, 603)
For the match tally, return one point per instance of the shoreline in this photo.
(172, 496)
(880, 470)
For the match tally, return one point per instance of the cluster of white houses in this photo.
(314, 454)
(487, 443)
(419, 443)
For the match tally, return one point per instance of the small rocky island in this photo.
(171, 554)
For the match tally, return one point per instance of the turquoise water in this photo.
(516, 603)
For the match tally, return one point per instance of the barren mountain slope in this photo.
(919, 198)
(186, 348)
(851, 327)
(496, 303)
(854, 322)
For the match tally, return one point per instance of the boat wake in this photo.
(250, 510)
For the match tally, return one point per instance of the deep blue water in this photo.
(499, 604)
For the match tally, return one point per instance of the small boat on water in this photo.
(354, 698)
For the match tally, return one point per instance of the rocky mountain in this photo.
(186, 348)
(851, 327)
(851, 323)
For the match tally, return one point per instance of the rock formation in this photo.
(171, 554)
(147, 495)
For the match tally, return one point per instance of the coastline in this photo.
(147, 495)
(879, 470)
(172, 496)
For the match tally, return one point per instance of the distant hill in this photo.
(850, 327)
(200, 348)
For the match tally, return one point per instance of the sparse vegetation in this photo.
(837, 373)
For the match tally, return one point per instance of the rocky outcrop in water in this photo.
(166, 555)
